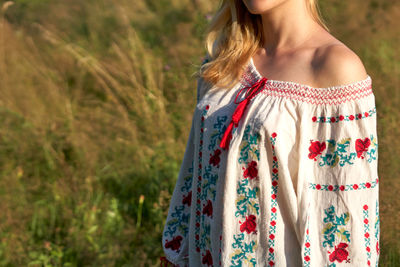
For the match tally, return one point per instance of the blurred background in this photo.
(96, 98)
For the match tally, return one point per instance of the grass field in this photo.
(96, 98)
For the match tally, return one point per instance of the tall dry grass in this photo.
(89, 127)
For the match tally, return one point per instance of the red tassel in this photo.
(237, 115)
(239, 111)
(226, 139)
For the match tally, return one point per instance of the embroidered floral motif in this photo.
(207, 189)
(199, 178)
(175, 243)
(366, 234)
(178, 226)
(249, 225)
(251, 170)
(247, 206)
(274, 204)
(339, 154)
(316, 148)
(208, 209)
(339, 118)
(215, 137)
(362, 146)
(345, 187)
(243, 251)
(187, 200)
(248, 146)
(207, 258)
(377, 230)
(307, 245)
(335, 232)
(340, 253)
(214, 158)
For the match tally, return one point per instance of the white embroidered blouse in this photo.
(297, 186)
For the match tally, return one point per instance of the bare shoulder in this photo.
(336, 64)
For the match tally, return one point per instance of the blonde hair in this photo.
(233, 36)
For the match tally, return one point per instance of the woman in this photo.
(280, 168)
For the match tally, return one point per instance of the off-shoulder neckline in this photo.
(281, 83)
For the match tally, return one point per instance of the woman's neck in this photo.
(287, 26)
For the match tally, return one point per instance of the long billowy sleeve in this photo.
(175, 238)
(340, 162)
(176, 229)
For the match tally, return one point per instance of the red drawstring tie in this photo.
(251, 92)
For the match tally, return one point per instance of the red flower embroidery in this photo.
(333, 119)
(351, 117)
(251, 171)
(272, 236)
(342, 187)
(175, 243)
(340, 253)
(314, 119)
(215, 159)
(377, 247)
(341, 117)
(362, 146)
(208, 209)
(249, 225)
(207, 259)
(316, 149)
(187, 199)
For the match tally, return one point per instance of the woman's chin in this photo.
(258, 7)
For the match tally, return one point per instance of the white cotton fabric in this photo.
(298, 185)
